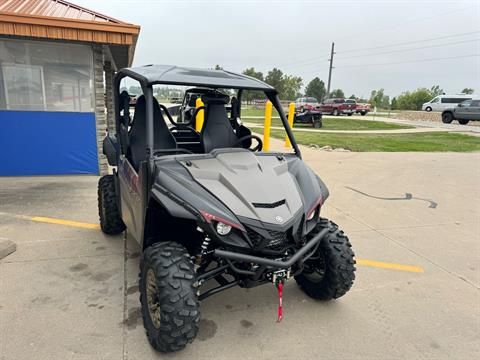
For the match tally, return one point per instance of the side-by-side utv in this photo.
(210, 205)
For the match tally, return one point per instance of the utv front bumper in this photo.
(299, 256)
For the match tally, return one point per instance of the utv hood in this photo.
(266, 187)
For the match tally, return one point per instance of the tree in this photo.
(316, 89)
(337, 93)
(249, 95)
(394, 104)
(435, 91)
(467, 91)
(291, 87)
(352, 96)
(379, 99)
(413, 100)
(255, 74)
(275, 78)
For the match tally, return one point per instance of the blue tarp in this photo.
(47, 143)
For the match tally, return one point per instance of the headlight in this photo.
(223, 229)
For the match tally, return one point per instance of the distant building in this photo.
(57, 60)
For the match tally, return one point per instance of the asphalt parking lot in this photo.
(70, 292)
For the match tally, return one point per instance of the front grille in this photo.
(277, 240)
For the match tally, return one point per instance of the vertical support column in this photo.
(99, 107)
(200, 115)
(107, 68)
(266, 126)
(291, 114)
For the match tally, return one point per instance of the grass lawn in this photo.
(341, 123)
(390, 143)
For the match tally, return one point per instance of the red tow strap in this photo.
(280, 301)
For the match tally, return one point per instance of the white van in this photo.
(443, 102)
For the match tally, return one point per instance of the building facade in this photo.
(57, 62)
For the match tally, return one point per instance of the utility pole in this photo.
(330, 69)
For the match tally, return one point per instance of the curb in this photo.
(6, 248)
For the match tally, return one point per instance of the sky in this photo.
(434, 41)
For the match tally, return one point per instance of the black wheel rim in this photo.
(315, 268)
(152, 298)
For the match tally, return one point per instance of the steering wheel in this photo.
(256, 148)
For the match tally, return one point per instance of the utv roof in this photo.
(175, 75)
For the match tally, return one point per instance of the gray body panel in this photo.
(240, 179)
(229, 182)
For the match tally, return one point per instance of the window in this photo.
(45, 76)
(435, 100)
(475, 103)
(466, 103)
(452, 100)
(23, 87)
(339, 101)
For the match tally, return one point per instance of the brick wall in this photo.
(419, 115)
(100, 111)
(109, 96)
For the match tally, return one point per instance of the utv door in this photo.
(132, 197)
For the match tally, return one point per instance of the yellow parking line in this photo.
(391, 266)
(361, 262)
(64, 222)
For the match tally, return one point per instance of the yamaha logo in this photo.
(278, 219)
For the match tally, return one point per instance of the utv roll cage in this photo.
(150, 75)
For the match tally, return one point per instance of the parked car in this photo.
(306, 103)
(363, 109)
(442, 102)
(337, 107)
(463, 112)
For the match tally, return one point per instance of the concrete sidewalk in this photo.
(473, 127)
(365, 132)
(71, 292)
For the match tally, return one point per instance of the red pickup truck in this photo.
(362, 109)
(338, 107)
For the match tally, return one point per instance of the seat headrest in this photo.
(215, 98)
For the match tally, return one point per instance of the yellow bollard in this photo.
(200, 115)
(266, 126)
(291, 114)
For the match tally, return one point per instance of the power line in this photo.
(409, 62)
(409, 42)
(421, 18)
(310, 61)
(410, 49)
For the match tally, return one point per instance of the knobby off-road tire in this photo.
(171, 316)
(336, 260)
(110, 221)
